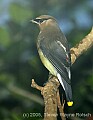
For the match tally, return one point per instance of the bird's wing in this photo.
(59, 57)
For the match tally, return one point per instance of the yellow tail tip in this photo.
(70, 103)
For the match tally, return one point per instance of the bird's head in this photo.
(45, 21)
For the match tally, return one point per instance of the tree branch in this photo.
(84, 44)
(61, 107)
(50, 99)
(50, 90)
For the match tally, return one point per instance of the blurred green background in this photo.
(19, 60)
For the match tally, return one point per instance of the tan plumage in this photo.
(54, 52)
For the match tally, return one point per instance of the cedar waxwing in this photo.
(54, 52)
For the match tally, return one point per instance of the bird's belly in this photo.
(47, 63)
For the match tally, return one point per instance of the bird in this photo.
(54, 52)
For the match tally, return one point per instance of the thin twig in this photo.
(61, 107)
(34, 85)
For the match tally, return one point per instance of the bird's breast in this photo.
(47, 63)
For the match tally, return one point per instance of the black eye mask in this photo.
(40, 20)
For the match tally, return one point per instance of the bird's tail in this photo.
(67, 89)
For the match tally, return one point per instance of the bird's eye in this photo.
(39, 20)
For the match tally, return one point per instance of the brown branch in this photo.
(61, 107)
(84, 44)
(34, 85)
(49, 91)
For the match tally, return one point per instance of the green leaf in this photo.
(4, 37)
(6, 78)
(90, 81)
(19, 13)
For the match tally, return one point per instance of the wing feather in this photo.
(59, 58)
